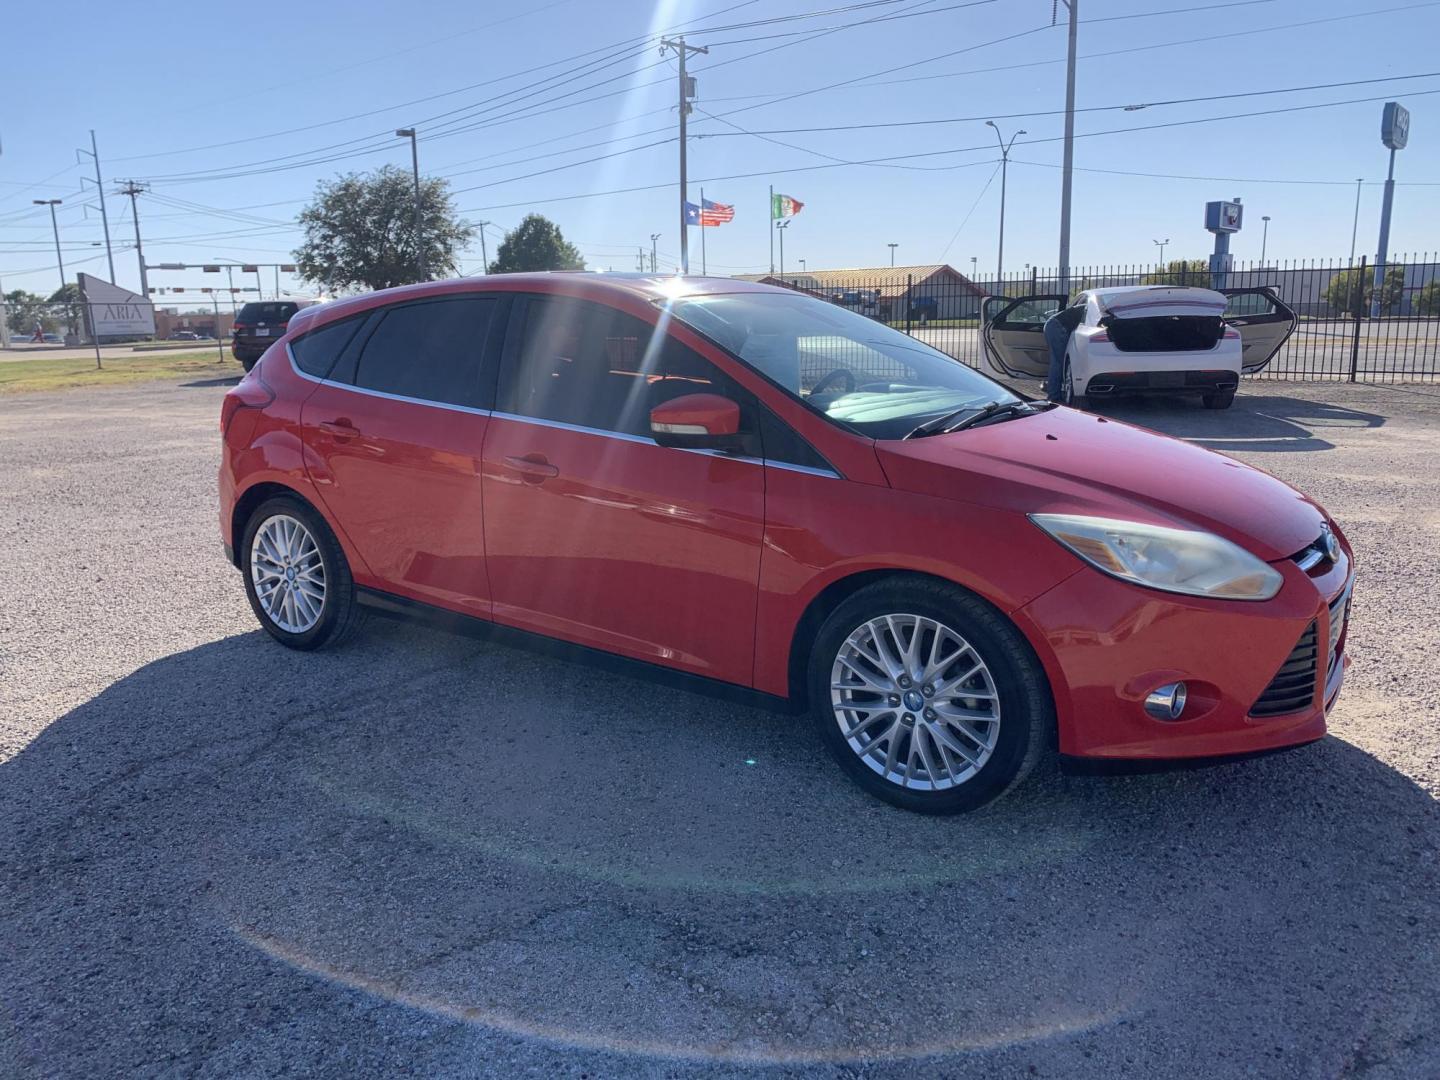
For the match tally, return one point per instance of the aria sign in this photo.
(116, 312)
(1395, 126)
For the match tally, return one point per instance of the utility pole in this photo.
(1067, 172)
(892, 248)
(687, 91)
(1264, 238)
(1355, 228)
(133, 189)
(653, 237)
(484, 257)
(1161, 245)
(94, 152)
(230, 279)
(701, 219)
(780, 227)
(640, 258)
(55, 227)
(1004, 172)
(409, 133)
(770, 217)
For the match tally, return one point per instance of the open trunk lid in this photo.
(1156, 301)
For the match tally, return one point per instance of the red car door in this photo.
(395, 435)
(593, 532)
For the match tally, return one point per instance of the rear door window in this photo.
(430, 351)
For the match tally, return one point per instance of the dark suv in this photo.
(257, 326)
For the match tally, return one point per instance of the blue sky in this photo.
(161, 90)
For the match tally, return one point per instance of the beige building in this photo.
(933, 291)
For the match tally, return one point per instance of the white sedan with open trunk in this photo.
(1170, 339)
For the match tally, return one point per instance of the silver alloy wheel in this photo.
(915, 701)
(288, 573)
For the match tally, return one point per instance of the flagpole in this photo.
(702, 232)
(770, 214)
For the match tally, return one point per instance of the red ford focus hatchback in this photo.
(769, 496)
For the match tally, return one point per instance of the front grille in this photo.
(1293, 687)
(1339, 622)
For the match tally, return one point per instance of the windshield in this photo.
(847, 367)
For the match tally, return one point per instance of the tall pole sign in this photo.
(1222, 218)
(1394, 134)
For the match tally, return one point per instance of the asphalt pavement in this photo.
(421, 855)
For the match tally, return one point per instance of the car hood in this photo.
(1065, 461)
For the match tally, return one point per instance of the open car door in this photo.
(1264, 321)
(1014, 333)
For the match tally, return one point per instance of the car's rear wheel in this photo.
(1220, 400)
(1067, 389)
(927, 696)
(296, 576)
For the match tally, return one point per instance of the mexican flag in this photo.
(783, 206)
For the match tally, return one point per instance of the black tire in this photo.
(1026, 709)
(248, 361)
(340, 614)
(1221, 400)
(1067, 389)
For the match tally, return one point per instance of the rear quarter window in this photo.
(316, 351)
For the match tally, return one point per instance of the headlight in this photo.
(1175, 560)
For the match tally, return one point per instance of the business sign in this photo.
(1395, 125)
(1223, 217)
(249, 268)
(116, 312)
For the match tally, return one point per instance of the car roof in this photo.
(595, 285)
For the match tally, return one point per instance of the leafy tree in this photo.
(360, 231)
(536, 244)
(1181, 272)
(1426, 300)
(24, 309)
(1341, 292)
(68, 303)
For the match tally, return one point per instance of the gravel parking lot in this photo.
(421, 855)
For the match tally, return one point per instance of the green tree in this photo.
(360, 231)
(536, 244)
(24, 309)
(1341, 293)
(1181, 272)
(1426, 300)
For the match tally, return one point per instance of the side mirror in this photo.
(697, 422)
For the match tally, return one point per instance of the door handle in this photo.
(533, 467)
(340, 427)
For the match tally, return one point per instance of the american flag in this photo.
(708, 213)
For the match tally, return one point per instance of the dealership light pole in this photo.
(1067, 168)
(55, 227)
(1004, 171)
(1264, 238)
(409, 133)
(653, 237)
(1161, 245)
(803, 268)
(892, 248)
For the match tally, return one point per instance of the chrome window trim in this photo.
(470, 409)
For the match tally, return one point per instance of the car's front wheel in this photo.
(296, 576)
(927, 696)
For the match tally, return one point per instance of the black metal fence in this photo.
(1337, 337)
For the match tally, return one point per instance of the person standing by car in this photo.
(1058, 329)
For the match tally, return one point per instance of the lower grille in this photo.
(1339, 623)
(1293, 687)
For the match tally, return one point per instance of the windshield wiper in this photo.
(949, 422)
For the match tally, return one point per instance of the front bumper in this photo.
(1105, 644)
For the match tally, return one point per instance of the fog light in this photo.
(1166, 702)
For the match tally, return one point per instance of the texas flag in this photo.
(708, 213)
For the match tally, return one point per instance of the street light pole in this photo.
(653, 237)
(1161, 245)
(1264, 238)
(1355, 228)
(55, 227)
(409, 133)
(892, 248)
(1004, 171)
(803, 268)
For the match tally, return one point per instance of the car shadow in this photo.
(1257, 422)
(419, 851)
